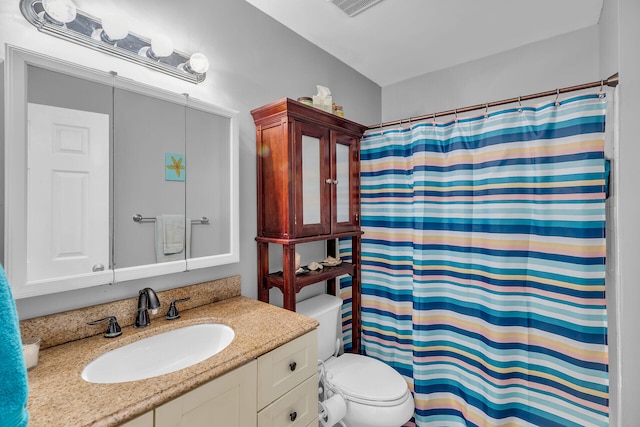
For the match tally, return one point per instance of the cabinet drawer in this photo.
(297, 408)
(287, 366)
(144, 420)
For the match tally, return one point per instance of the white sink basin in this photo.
(159, 354)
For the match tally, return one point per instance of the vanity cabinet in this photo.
(308, 179)
(279, 389)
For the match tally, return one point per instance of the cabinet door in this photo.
(227, 401)
(313, 183)
(345, 176)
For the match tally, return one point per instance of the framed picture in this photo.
(174, 167)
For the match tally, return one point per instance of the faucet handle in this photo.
(173, 311)
(113, 330)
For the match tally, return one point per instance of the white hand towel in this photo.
(173, 235)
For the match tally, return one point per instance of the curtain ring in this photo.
(519, 105)
(556, 102)
(486, 110)
(410, 124)
(601, 94)
(456, 114)
(433, 123)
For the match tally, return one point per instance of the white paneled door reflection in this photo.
(68, 192)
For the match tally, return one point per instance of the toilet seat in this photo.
(367, 381)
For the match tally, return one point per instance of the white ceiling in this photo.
(399, 39)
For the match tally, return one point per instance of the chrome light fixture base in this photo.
(84, 28)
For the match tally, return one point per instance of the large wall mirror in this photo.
(109, 180)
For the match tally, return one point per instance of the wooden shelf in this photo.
(276, 280)
(307, 239)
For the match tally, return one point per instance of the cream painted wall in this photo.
(254, 60)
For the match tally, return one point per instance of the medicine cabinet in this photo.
(109, 180)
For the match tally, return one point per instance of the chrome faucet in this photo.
(147, 300)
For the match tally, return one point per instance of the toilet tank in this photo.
(326, 310)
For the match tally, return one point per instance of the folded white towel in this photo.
(173, 235)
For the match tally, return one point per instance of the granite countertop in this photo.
(58, 396)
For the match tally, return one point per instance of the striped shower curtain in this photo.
(484, 263)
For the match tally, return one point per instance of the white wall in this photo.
(561, 61)
(609, 64)
(621, 34)
(254, 60)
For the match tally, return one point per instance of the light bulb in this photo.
(161, 46)
(115, 26)
(62, 11)
(198, 63)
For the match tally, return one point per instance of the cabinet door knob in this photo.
(293, 415)
(293, 366)
(335, 181)
(328, 181)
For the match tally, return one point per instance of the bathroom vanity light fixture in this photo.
(111, 35)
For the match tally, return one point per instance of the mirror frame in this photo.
(15, 224)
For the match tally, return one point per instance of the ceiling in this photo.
(398, 39)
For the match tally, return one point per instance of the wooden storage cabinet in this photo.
(308, 179)
(312, 188)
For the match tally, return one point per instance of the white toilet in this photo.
(376, 395)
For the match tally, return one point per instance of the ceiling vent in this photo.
(354, 7)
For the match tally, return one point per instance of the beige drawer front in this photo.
(145, 420)
(298, 408)
(314, 423)
(287, 366)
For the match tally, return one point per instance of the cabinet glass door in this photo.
(313, 181)
(346, 202)
(342, 183)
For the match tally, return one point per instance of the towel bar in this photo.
(140, 218)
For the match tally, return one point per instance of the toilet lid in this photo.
(365, 378)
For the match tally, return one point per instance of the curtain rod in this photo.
(611, 82)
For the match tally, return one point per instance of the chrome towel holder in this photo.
(140, 218)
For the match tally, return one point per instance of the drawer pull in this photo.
(293, 416)
(293, 366)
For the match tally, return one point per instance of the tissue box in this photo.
(323, 102)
